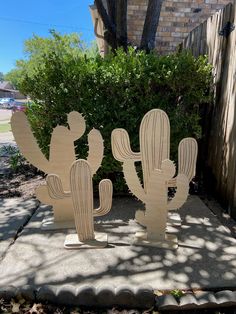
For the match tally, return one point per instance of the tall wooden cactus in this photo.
(158, 174)
(61, 156)
(81, 193)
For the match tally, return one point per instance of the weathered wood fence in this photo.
(221, 51)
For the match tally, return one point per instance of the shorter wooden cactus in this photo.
(61, 156)
(81, 192)
(158, 174)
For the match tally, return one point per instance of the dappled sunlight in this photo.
(205, 258)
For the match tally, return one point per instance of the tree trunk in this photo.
(114, 18)
(121, 24)
(150, 25)
(111, 7)
(110, 29)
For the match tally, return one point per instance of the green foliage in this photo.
(177, 294)
(14, 77)
(1, 76)
(117, 91)
(16, 159)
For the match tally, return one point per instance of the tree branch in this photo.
(96, 30)
(150, 25)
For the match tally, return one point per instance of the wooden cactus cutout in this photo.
(61, 156)
(81, 193)
(158, 174)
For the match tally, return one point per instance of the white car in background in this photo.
(7, 103)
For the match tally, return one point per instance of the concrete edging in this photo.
(197, 300)
(85, 295)
(124, 296)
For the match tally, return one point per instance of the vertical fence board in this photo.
(221, 51)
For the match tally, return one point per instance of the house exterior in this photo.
(7, 90)
(177, 19)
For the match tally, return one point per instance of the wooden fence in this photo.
(221, 51)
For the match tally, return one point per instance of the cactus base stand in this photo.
(72, 242)
(50, 224)
(170, 242)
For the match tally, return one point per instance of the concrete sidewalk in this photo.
(7, 138)
(14, 214)
(5, 115)
(206, 257)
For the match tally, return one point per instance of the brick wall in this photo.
(178, 18)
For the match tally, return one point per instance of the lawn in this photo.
(5, 127)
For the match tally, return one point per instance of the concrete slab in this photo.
(5, 115)
(14, 213)
(206, 257)
(7, 138)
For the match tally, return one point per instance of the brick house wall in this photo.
(177, 19)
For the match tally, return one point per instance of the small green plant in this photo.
(16, 159)
(177, 294)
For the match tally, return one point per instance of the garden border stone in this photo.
(123, 296)
(85, 295)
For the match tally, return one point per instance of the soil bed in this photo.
(23, 307)
(19, 182)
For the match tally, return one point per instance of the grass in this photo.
(5, 127)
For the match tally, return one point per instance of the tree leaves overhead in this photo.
(14, 77)
(1, 77)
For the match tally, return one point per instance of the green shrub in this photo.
(117, 91)
(16, 159)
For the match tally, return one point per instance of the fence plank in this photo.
(221, 51)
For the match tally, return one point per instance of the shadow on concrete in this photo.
(206, 257)
(14, 214)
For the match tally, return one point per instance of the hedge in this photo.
(115, 91)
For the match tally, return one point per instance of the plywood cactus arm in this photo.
(42, 194)
(55, 188)
(187, 157)
(105, 196)
(181, 194)
(62, 150)
(132, 180)
(122, 152)
(76, 124)
(96, 149)
(121, 146)
(27, 143)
